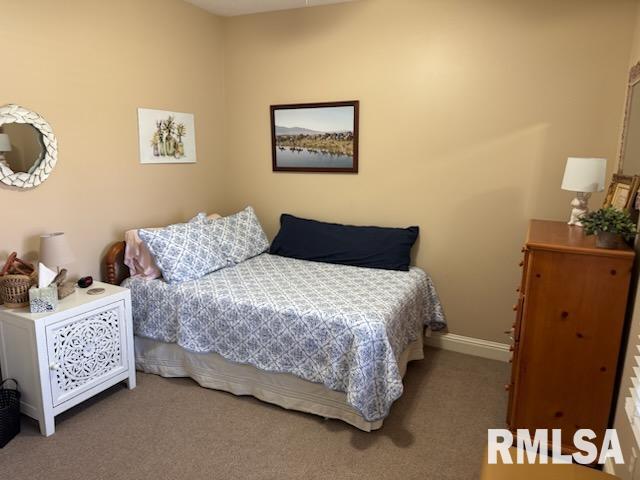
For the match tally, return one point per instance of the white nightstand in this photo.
(64, 357)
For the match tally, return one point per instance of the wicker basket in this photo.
(9, 412)
(14, 289)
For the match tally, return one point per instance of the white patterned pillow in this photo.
(185, 251)
(240, 236)
(201, 217)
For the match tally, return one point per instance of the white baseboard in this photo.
(469, 345)
(608, 466)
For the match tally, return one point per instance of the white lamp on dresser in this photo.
(583, 176)
(62, 358)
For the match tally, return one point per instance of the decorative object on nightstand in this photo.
(85, 282)
(16, 277)
(610, 226)
(64, 288)
(583, 176)
(5, 146)
(62, 358)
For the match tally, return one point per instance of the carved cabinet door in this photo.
(86, 350)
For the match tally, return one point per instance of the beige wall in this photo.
(621, 422)
(86, 66)
(468, 113)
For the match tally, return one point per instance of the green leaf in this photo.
(610, 220)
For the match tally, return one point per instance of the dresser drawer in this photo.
(86, 350)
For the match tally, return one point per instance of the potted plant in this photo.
(609, 225)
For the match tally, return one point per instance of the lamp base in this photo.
(579, 208)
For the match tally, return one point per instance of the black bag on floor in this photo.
(9, 412)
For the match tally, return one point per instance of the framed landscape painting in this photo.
(166, 137)
(315, 137)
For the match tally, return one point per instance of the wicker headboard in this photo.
(114, 270)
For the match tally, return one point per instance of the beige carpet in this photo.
(174, 429)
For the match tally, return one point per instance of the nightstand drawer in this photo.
(86, 350)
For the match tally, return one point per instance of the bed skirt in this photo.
(211, 370)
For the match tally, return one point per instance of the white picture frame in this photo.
(166, 137)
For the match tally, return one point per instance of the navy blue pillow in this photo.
(373, 247)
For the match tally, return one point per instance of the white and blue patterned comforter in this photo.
(342, 326)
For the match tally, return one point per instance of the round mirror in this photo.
(28, 147)
(21, 146)
(629, 157)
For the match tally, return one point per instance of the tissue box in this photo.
(43, 299)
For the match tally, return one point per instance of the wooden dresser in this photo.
(567, 335)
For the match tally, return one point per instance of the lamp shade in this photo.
(584, 174)
(55, 250)
(5, 143)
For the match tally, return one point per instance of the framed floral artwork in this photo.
(166, 137)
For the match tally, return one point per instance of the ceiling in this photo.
(229, 8)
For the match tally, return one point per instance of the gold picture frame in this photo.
(622, 192)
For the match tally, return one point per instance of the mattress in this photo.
(340, 326)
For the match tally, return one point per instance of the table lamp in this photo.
(583, 176)
(5, 146)
(55, 250)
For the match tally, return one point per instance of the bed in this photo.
(332, 340)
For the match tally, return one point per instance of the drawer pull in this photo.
(507, 387)
(521, 263)
(54, 366)
(511, 349)
(515, 307)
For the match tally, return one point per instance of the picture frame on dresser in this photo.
(64, 357)
(622, 192)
